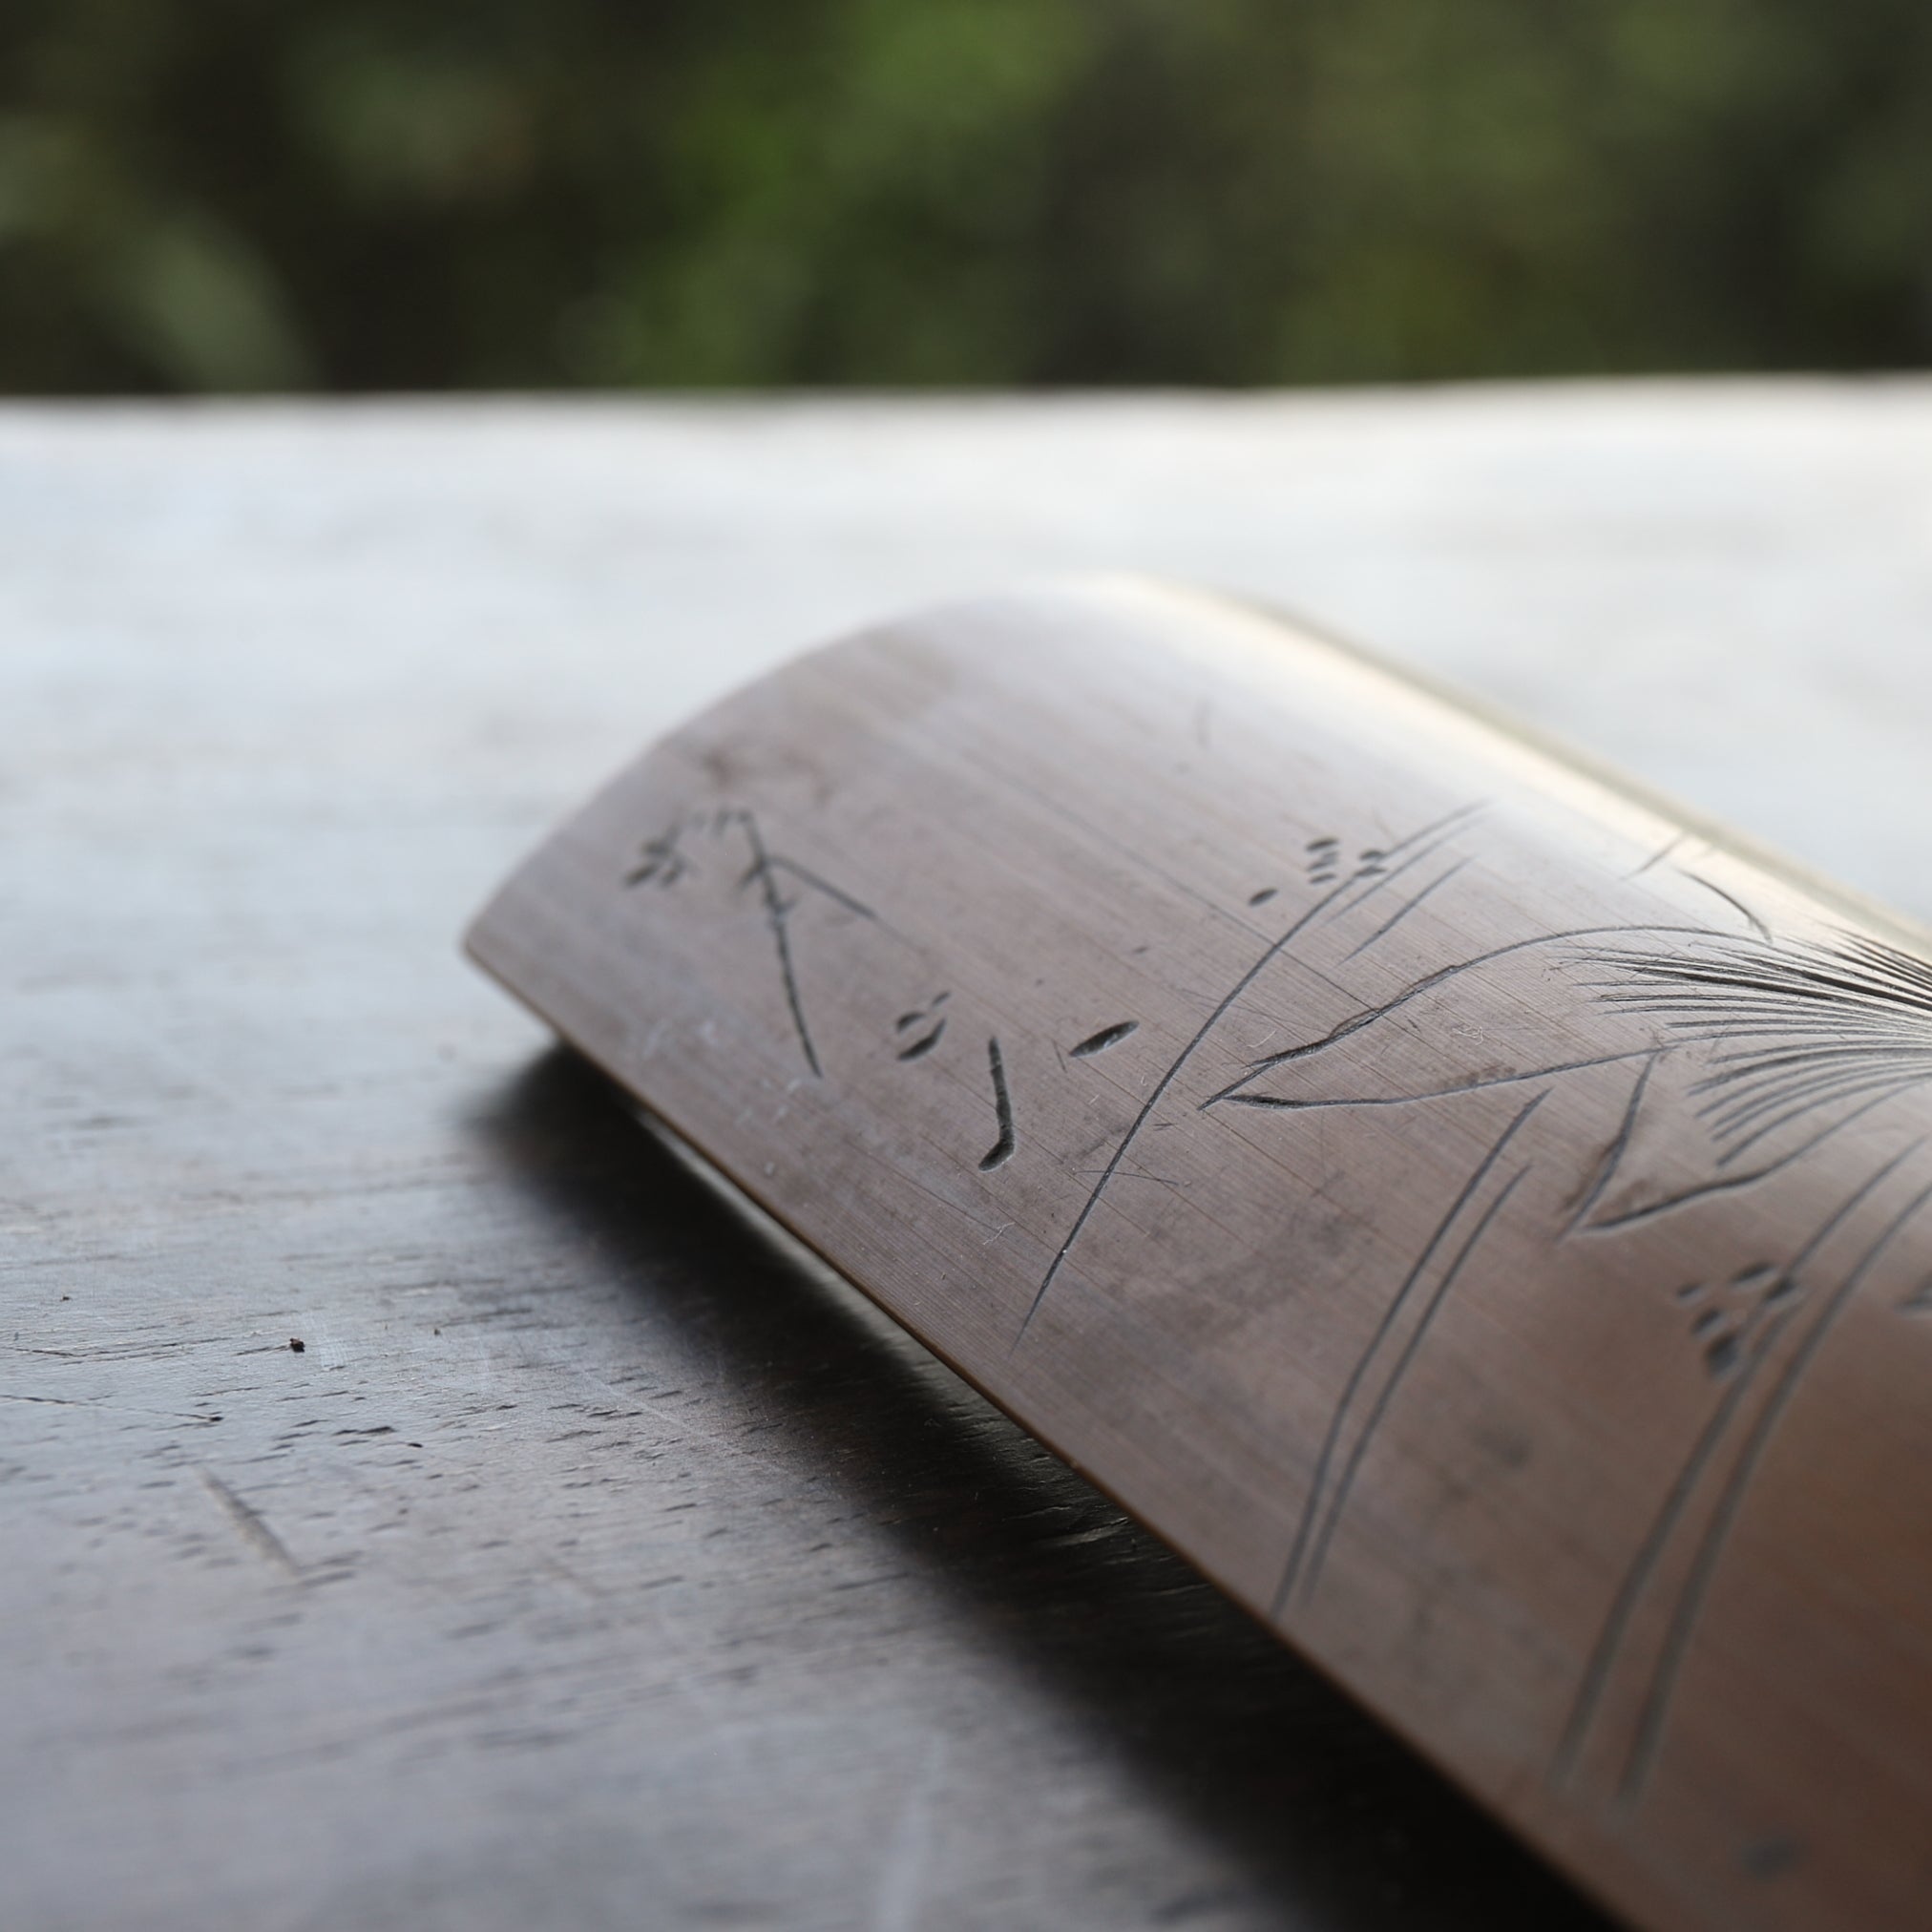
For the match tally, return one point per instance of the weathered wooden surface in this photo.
(1478, 1215)
(595, 1563)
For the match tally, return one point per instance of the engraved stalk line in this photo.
(1309, 1544)
(777, 916)
(1359, 1454)
(1280, 1105)
(1159, 1091)
(1408, 906)
(1600, 1668)
(1597, 1671)
(1429, 983)
(1418, 845)
(1683, 1625)
(763, 872)
(1674, 843)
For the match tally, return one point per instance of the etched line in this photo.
(1636, 1579)
(1749, 1084)
(1266, 958)
(1276, 1104)
(1748, 1079)
(1390, 924)
(805, 876)
(1791, 1093)
(1650, 1724)
(1134, 1174)
(1001, 1150)
(1596, 1676)
(1736, 905)
(1858, 978)
(1620, 1146)
(1426, 843)
(1732, 1183)
(1430, 981)
(1886, 1086)
(1365, 1361)
(777, 911)
(1154, 1098)
(1663, 852)
(1365, 1436)
(1455, 818)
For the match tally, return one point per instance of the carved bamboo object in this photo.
(1479, 1216)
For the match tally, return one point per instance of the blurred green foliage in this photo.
(354, 194)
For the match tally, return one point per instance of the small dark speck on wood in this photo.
(296, 1344)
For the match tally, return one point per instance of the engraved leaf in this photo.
(1743, 1054)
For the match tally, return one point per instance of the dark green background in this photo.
(358, 193)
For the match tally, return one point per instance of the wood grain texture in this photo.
(707, 1597)
(1479, 1216)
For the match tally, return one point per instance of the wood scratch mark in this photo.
(249, 1525)
(111, 1408)
(902, 1876)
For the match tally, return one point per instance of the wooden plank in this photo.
(708, 1596)
(1476, 1213)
